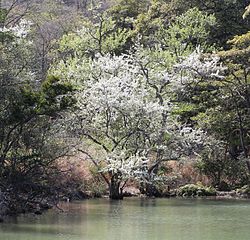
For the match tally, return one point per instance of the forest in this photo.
(122, 97)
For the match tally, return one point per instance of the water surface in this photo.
(136, 219)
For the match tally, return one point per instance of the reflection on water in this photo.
(135, 219)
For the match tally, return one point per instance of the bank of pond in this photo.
(189, 191)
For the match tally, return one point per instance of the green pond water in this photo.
(135, 219)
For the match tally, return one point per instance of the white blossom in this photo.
(196, 67)
(19, 30)
(119, 163)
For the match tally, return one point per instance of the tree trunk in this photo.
(152, 191)
(115, 191)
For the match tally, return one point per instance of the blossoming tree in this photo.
(124, 109)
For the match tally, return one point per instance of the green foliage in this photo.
(148, 23)
(185, 111)
(237, 57)
(55, 95)
(221, 108)
(125, 11)
(220, 166)
(237, 87)
(156, 23)
(228, 14)
(96, 185)
(98, 37)
(192, 190)
(3, 14)
(29, 140)
(188, 31)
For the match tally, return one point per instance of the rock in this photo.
(131, 192)
(230, 195)
(127, 194)
(173, 193)
(199, 193)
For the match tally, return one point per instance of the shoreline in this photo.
(219, 195)
(222, 195)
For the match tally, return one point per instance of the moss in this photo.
(196, 190)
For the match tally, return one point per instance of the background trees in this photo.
(28, 122)
(228, 15)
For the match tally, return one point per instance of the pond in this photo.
(136, 219)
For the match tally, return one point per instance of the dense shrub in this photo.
(196, 190)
